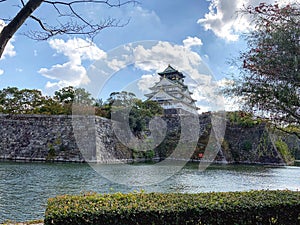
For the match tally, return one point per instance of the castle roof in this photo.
(167, 82)
(171, 87)
(170, 72)
(161, 94)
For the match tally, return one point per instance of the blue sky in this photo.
(197, 37)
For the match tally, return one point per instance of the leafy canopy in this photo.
(269, 80)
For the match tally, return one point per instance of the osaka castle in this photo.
(171, 92)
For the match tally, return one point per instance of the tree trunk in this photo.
(11, 28)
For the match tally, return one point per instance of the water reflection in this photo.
(25, 187)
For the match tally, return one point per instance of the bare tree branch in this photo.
(76, 24)
(119, 4)
(9, 30)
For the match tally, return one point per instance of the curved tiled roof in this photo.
(169, 71)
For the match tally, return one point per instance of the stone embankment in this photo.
(90, 138)
(58, 138)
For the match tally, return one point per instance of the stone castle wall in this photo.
(59, 138)
(37, 137)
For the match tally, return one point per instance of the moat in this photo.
(25, 187)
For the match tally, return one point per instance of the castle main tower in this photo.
(171, 92)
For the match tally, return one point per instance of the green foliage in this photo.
(270, 69)
(124, 104)
(65, 95)
(147, 155)
(243, 119)
(170, 142)
(119, 104)
(121, 99)
(253, 207)
(27, 101)
(51, 152)
(291, 129)
(225, 146)
(284, 151)
(141, 113)
(247, 145)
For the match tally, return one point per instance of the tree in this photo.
(50, 107)
(123, 106)
(65, 95)
(269, 81)
(121, 99)
(141, 113)
(69, 95)
(26, 101)
(83, 97)
(69, 20)
(31, 101)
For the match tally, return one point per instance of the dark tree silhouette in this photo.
(69, 19)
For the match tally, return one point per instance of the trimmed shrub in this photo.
(253, 207)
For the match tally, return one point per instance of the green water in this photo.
(25, 187)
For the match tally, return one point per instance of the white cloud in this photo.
(116, 64)
(72, 72)
(9, 48)
(163, 53)
(143, 14)
(232, 103)
(208, 97)
(68, 73)
(225, 82)
(1, 72)
(192, 41)
(223, 20)
(77, 49)
(203, 109)
(146, 81)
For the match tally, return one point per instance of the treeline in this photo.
(32, 101)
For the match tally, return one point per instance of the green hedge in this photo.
(253, 207)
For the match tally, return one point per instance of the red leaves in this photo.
(200, 155)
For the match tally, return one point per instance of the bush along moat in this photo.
(243, 208)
